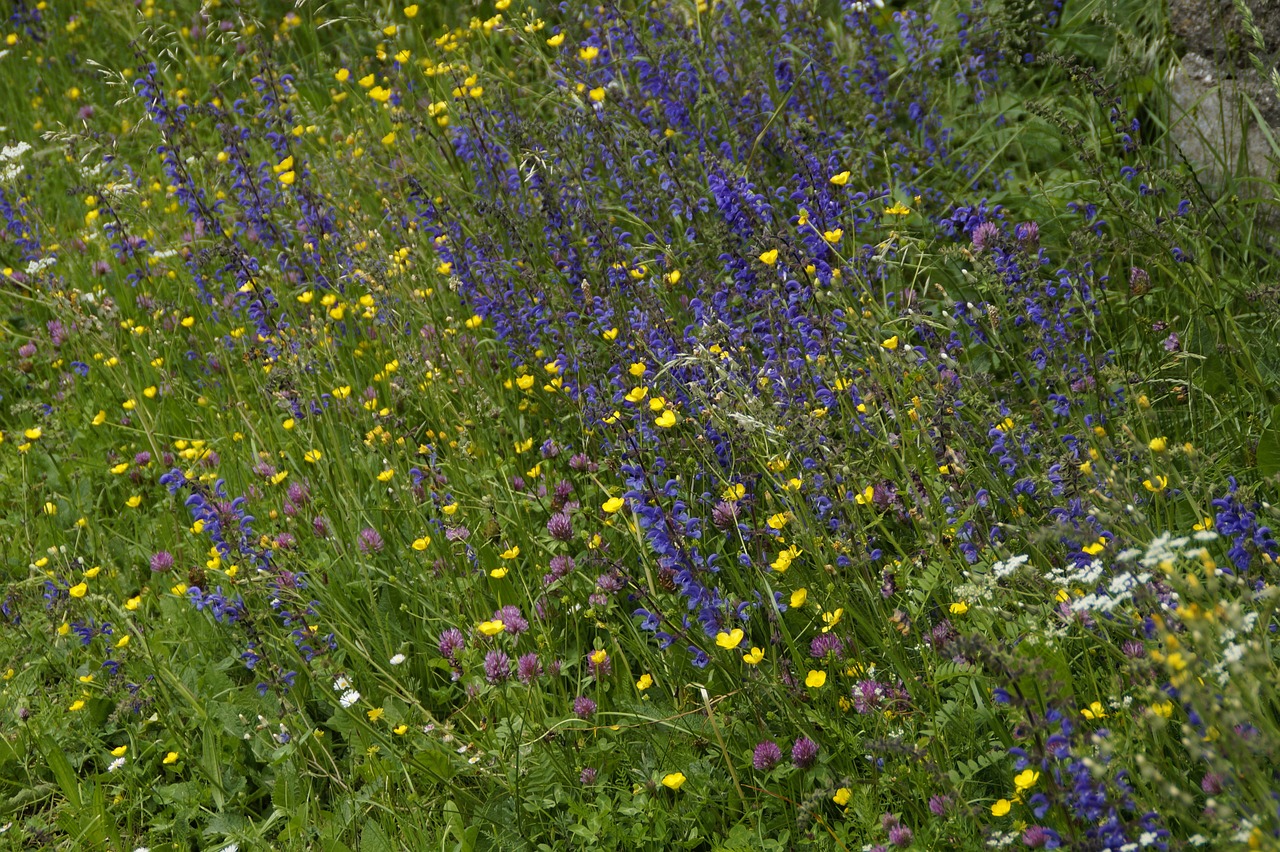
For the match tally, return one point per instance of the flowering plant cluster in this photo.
(693, 424)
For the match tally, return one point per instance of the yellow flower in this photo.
(587, 54)
(666, 419)
(734, 492)
(421, 543)
(499, 573)
(599, 656)
(490, 628)
(613, 504)
(79, 590)
(288, 177)
(597, 94)
(784, 559)
(1163, 709)
(385, 476)
(171, 757)
(120, 468)
(890, 344)
(842, 796)
(100, 418)
(1158, 445)
(119, 751)
(839, 179)
(510, 553)
(833, 236)
(959, 608)
(399, 730)
(133, 603)
(753, 657)
(312, 456)
(556, 40)
(831, 619)
(798, 597)
(1160, 484)
(411, 11)
(645, 681)
(134, 502)
(777, 521)
(50, 508)
(375, 714)
(730, 640)
(770, 257)
(674, 780)
(865, 496)
(389, 139)
(33, 433)
(1094, 711)
(636, 394)
(76, 705)
(1026, 779)
(1001, 807)
(815, 678)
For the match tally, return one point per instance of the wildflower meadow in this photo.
(688, 424)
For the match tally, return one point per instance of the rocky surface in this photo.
(1217, 95)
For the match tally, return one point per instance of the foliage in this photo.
(686, 425)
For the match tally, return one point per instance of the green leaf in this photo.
(1269, 447)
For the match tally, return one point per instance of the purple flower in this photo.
(766, 756)
(724, 515)
(938, 804)
(162, 561)
(513, 621)
(497, 667)
(804, 753)
(320, 527)
(451, 642)
(369, 541)
(1035, 836)
(528, 668)
(588, 776)
(824, 644)
(900, 835)
(560, 525)
(985, 236)
(584, 707)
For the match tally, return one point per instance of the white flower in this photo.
(13, 152)
(116, 764)
(397, 659)
(340, 683)
(349, 697)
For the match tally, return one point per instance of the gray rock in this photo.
(1212, 28)
(1213, 126)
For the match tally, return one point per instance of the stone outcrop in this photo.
(1218, 96)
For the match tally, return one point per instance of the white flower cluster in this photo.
(349, 696)
(9, 154)
(1118, 589)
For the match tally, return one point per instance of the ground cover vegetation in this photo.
(674, 425)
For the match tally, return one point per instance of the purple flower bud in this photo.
(528, 668)
(369, 541)
(497, 667)
(588, 776)
(583, 707)
(804, 753)
(162, 561)
(560, 525)
(900, 836)
(766, 756)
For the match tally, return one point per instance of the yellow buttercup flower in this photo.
(730, 640)
(674, 780)
(815, 678)
(1001, 807)
(753, 657)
